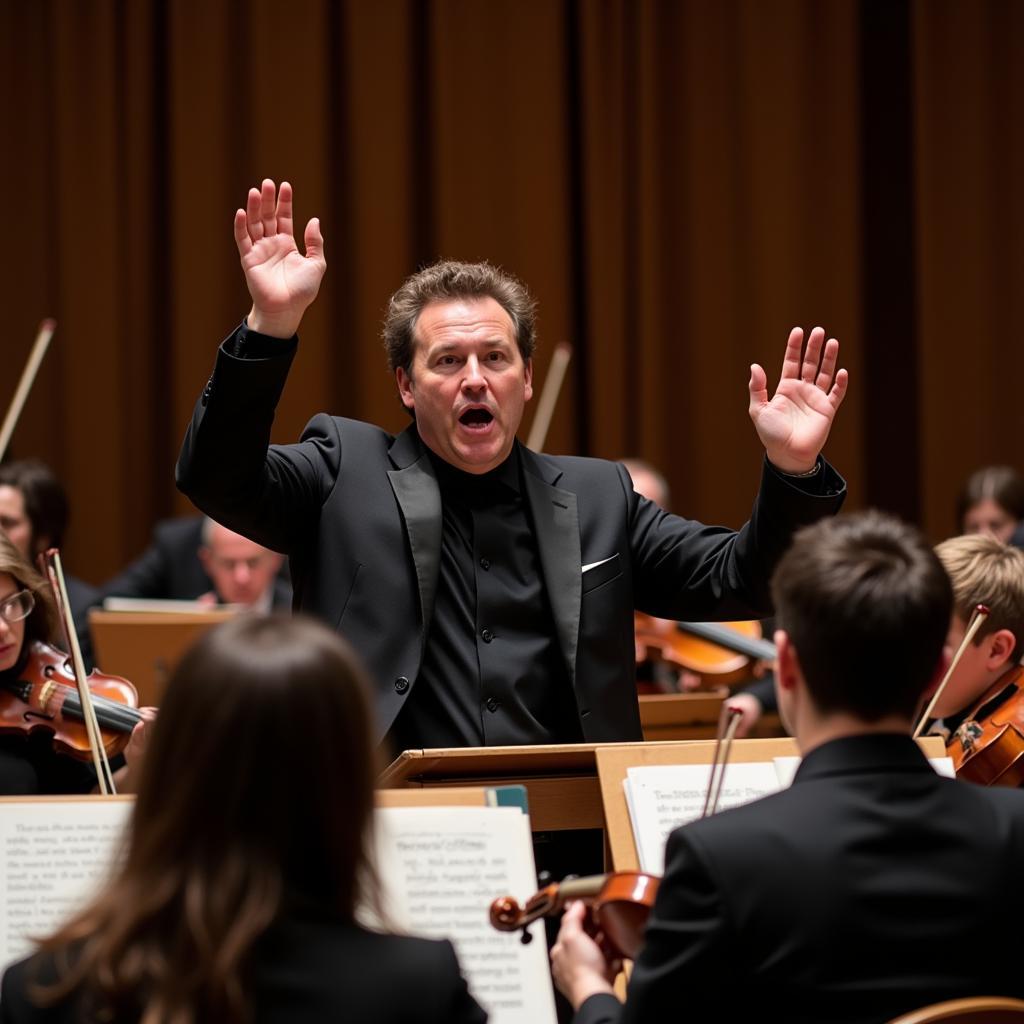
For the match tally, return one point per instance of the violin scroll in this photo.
(618, 905)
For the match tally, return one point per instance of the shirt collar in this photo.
(469, 485)
(863, 753)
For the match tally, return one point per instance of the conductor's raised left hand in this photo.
(794, 423)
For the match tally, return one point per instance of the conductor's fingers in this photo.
(838, 392)
(268, 195)
(791, 360)
(242, 239)
(812, 355)
(254, 214)
(314, 240)
(828, 364)
(284, 208)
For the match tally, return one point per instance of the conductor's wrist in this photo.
(795, 468)
(273, 325)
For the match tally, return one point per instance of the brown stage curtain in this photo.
(678, 182)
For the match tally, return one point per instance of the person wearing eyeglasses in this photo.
(28, 762)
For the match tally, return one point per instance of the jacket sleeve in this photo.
(599, 1009)
(685, 961)
(459, 1007)
(683, 569)
(227, 466)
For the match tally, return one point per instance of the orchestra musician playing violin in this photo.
(872, 886)
(489, 589)
(29, 762)
(984, 571)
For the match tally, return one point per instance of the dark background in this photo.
(679, 183)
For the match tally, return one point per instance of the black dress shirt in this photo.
(492, 671)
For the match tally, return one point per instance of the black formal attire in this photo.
(29, 766)
(169, 569)
(870, 887)
(308, 971)
(378, 551)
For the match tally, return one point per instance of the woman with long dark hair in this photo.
(246, 860)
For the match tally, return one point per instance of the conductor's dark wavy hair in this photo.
(867, 605)
(447, 280)
(255, 795)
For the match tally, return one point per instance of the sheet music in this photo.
(53, 857)
(445, 865)
(663, 797)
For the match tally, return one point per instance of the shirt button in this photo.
(401, 684)
(493, 704)
(486, 635)
(485, 563)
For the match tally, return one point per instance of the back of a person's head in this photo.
(255, 795)
(986, 571)
(867, 605)
(262, 751)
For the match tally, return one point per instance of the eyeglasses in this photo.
(18, 606)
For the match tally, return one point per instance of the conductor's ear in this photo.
(405, 388)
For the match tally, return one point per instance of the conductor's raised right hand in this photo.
(281, 281)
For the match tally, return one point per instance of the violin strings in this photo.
(115, 713)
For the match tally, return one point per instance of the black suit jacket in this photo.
(870, 887)
(359, 513)
(170, 569)
(311, 972)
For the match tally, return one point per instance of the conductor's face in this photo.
(468, 383)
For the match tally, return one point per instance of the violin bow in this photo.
(549, 397)
(981, 613)
(727, 726)
(28, 377)
(55, 573)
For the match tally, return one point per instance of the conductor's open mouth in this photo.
(475, 417)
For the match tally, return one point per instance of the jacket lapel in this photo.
(557, 528)
(419, 497)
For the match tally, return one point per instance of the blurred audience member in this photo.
(992, 501)
(34, 514)
(196, 559)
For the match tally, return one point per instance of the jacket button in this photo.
(401, 684)
(486, 635)
(493, 704)
(485, 563)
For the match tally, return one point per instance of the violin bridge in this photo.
(968, 733)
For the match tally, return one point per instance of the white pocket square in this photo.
(594, 565)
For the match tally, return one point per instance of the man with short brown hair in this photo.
(490, 589)
(872, 886)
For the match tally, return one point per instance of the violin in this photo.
(719, 649)
(44, 696)
(988, 746)
(618, 906)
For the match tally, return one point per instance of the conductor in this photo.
(490, 589)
